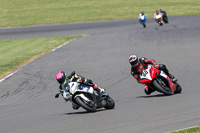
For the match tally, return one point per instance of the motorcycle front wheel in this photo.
(83, 104)
(178, 88)
(161, 87)
(110, 103)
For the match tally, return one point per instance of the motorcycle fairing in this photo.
(154, 72)
(86, 89)
(83, 97)
(74, 87)
(145, 74)
(159, 16)
(148, 74)
(142, 18)
(85, 92)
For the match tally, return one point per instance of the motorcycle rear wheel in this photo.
(157, 85)
(81, 103)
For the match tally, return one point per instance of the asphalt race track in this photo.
(27, 103)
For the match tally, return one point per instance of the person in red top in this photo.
(138, 65)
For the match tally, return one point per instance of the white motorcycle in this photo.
(88, 98)
(142, 20)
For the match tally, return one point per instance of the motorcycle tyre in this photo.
(157, 87)
(79, 101)
(178, 89)
(110, 103)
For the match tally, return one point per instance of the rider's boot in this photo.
(148, 90)
(172, 77)
(98, 89)
(101, 90)
(164, 68)
(100, 102)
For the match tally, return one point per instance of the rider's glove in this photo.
(142, 60)
(73, 73)
(71, 76)
(156, 65)
(102, 90)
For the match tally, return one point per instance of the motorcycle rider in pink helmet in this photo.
(138, 65)
(61, 77)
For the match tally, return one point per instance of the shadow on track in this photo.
(149, 96)
(85, 112)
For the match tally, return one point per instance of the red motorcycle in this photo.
(157, 80)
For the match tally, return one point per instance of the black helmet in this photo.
(142, 13)
(157, 12)
(161, 10)
(60, 77)
(133, 60)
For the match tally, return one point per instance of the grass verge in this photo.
(16, 52)
(190, 130)
(34, 12)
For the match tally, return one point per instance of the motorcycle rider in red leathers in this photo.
(61, 77)
(139, 64)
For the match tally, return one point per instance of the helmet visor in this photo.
(61, 81)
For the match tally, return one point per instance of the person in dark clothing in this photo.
(137, 67)
(164, 15)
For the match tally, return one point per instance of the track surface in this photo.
(27, 103)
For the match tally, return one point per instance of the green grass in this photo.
(191, 130)
(15, 52)
(33, 12)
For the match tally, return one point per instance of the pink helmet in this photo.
(60, 77)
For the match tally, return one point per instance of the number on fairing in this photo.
(144, 73)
